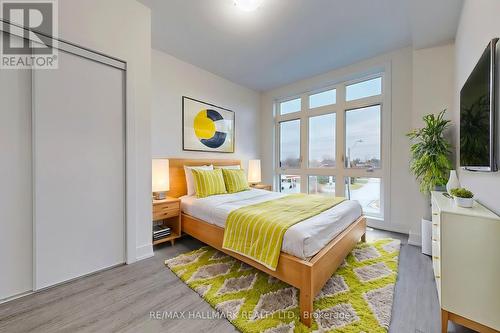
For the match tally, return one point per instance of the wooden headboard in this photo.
(178, 186)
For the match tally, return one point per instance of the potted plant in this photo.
(430, 162)
(463, 197)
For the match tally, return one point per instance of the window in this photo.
(366, 191)
(364, 89)
(324, 98)
(290, 106)
(362, 127)
(322, 185)
(322, 141)
(330, 143)
(290, 184)
(290, 144)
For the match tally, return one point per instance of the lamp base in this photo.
(159, 195)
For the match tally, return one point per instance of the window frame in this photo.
(289, 99)
(340, 172)
(320, 91)
(360, 80)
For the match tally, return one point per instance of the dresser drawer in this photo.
(436, 266)
(436, 233)
(436, 219)
(438, 287)
(436, 249)
(434, 206)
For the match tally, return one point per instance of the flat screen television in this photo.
(479, 114)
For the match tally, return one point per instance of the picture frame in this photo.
(207, 127)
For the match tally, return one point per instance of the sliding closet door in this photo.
(15, 182)
(79, 162)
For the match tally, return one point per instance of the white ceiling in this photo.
(287, 40)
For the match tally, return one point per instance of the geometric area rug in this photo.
(357, 298)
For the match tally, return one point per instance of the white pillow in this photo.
(191, 187)
(228, 167)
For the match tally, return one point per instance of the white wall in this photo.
(172, 79)
(479, 23)
(16, 191)
(403, 190)
(433, 81)
(433, 91)
(122, 28)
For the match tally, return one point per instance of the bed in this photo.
(312, 250)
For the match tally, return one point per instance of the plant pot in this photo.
(426, 237)
(440, 188)
(464, 202)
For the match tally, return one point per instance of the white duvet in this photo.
(302, 240)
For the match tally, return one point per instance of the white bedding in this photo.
(302, 240)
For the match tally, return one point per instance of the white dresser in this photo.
(466, 261)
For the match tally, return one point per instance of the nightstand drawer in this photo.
(165, 213)
(166, 206)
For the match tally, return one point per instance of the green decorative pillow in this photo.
(235, 180)
(208, 182)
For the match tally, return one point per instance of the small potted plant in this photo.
(463, 197)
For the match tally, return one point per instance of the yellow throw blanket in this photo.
(257, 231)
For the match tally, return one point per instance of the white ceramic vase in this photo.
(464, 202)
(452, 181)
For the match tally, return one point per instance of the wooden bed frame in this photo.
(307, 276)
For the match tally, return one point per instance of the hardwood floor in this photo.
(121, 299)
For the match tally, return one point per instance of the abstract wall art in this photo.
(207, 127)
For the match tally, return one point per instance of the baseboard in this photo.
(382, 225)
(144, 252)
(415, 239)
(11, 298)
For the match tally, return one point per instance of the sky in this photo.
(322, 137)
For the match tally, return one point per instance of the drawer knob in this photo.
(434, 257)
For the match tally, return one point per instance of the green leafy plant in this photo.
(461, 193)
(430, 152)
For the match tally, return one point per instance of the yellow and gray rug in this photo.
(358, 298)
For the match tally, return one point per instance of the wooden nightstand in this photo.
(262, 187)
(167, 212)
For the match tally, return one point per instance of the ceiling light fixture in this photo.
(248, 5)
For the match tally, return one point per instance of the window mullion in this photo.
(340, 138)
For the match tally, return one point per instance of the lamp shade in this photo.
(160, 173)
(254, 174)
